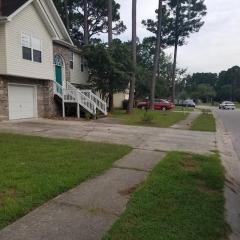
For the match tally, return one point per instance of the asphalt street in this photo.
(231, 121)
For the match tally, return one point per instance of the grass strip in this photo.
(181, 200)
(163, 119)
(205, 122)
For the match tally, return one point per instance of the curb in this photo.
(231, 164)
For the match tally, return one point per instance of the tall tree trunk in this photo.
(110, 39)
(0, 7)
(134, 52)
(86, 37)
(157, 56)
(178, 8)
(67, 22)
(110, 17)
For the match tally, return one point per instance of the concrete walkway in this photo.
(88, 211)
(147, 138)
(186, 123)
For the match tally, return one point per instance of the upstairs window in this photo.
(36, 48)
(31, 48)
(26, 47)
(71, 60)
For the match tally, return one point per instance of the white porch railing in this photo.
(73, 95)
(100, 104)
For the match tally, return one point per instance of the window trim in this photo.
(72, 61)
(31, 47)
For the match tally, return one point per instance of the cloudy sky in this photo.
(216, 47)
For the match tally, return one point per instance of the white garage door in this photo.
(22, 102)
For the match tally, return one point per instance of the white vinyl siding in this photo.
(29, 22)
(76, 75)
(2, 50)
(52, 19)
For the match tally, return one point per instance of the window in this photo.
(31, 48)
(36, 46)
(58, 61)
(71, 60)
(82, 64)
(26, 47)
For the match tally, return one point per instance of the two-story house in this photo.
(39, 64)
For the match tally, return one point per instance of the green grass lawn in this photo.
(150, 118)
(237, 105)
(181, 200)
(205, 122)
(34, 169)
(186, 109)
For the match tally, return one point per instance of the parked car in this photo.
(189, 103)
(227, 105)
(160, 104)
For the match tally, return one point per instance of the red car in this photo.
(160, 104)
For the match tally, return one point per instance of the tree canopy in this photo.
(110, 69)
(97, 12)
(219, 87)
(190, 21)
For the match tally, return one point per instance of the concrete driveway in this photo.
(88, 211)
(147, 138)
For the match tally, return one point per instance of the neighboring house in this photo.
(119, 98)
(40, 67)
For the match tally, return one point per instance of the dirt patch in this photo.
(202, 187)
(189, 164)
(98, 211)
(128, 191)
(8, 193)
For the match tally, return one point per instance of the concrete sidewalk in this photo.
(88, 211)
(186, 123)
(148, 138)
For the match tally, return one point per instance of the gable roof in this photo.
(10, 6)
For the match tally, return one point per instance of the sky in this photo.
(214, 48)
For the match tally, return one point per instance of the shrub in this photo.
(88, 116)
(148, 117)
(125, 104)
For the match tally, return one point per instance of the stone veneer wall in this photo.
(3, 99)
(66, 55)
(45, 98)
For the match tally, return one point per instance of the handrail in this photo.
(100, 104)
(72, 94)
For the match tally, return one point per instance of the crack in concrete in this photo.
(130, 168)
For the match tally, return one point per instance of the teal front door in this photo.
(58, 73)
